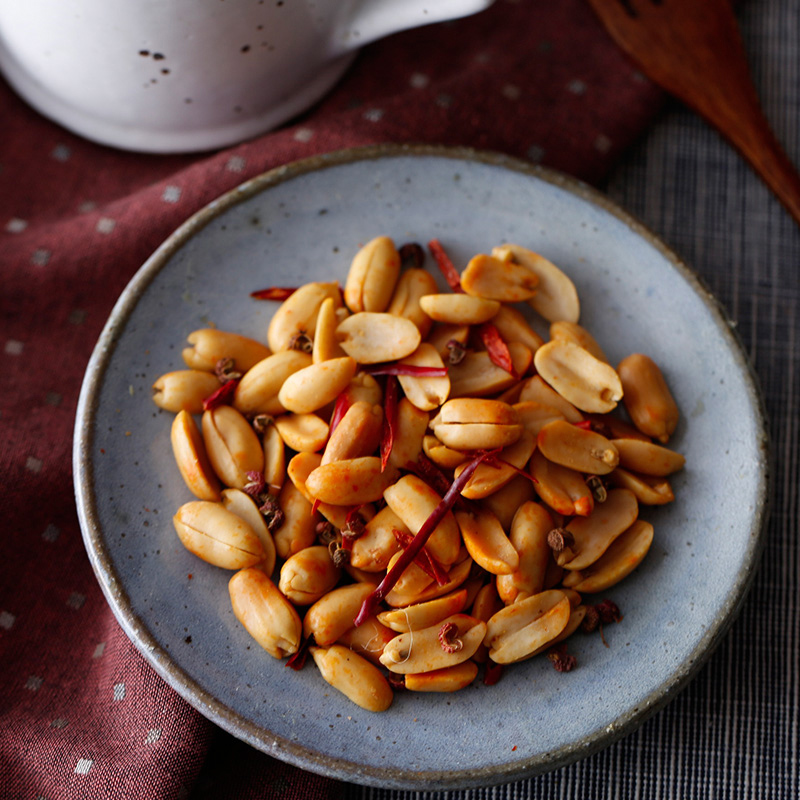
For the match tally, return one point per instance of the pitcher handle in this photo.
(369, 20)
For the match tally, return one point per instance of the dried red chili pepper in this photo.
(424, 560)
(343, 402)
(274, 293)
(492, 673)
(497, 348)
(298, 660)
(389, 419)
(586, 424)
(409, 554)
(222, 396)
(445, 265)
(406, 369)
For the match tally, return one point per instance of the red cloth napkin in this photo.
(81, 713)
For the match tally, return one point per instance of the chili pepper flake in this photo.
(497, 348)
(445, 265)
(274, 293)
(222, 396)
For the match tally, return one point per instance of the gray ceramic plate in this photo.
(304, 222)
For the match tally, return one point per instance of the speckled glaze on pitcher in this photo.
(188, 75)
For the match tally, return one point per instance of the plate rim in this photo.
(300, 755)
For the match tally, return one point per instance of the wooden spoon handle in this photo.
(762, 150)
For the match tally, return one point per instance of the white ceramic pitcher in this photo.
(187, 75)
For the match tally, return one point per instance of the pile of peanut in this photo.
(322, 455)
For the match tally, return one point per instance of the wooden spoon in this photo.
(693, 49)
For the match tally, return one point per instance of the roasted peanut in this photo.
(534, 389)
(440, 454)
(333, 613)
(375, 547)
(184, 390)
(486, 604)
(364, 387)
(232, 445)
(498, 279)
(312, 387)
(623, 555)
(423, 615)
(372, 277)
(274, 458)
(325, 346)
(298, 529)
(217, 535)
(458, 309)
(257, 392)
(353, 676)
(648, 400)
(190, 455)
(647, 458)
(299, 312)
(529, 529)
(265, 613)
(357, 434)
(425, 392)
(563, 489)
(476, 375)
(592, 535)
(566, 331)
(371, 337)
(585, 381)
(444, 335)
(577, 448)
(413, 284)
(245, 508)
(487, 542)
(476, 423)
(515, 632)
(456, 577)
(302, 432)
(556, 297)
(308, 575)
(422, 651)
(209, 346)
(649, 490)
(350, 482)
(446, 679)
(368, 639)
(505, 501)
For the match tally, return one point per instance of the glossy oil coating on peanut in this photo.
(380, 410)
